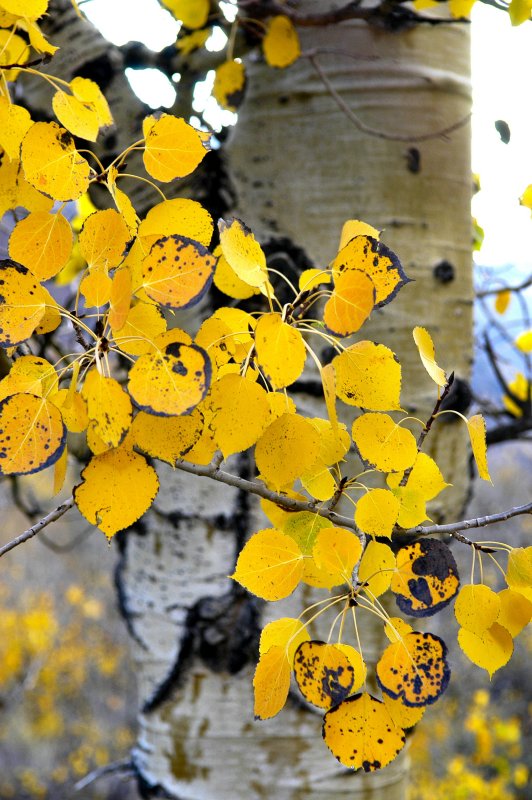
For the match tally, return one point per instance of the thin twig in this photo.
(361, 126)
(124, 765)
(452, 528)
(519, 288)
(34, 530)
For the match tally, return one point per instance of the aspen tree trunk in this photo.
(300, 168)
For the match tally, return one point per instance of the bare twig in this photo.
(519, 288)
(34, 530)
(452, 528)
(125, 765)
(361, 126)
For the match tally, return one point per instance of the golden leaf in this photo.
(476, 427)
(180, 216)
(286, 633)
(382, 443)
(376, 568)
(243, 253)
(143, 324)
(240, 413)
(15, 122)
(377, 261)
(281, 45)
(270, 565)
(167, 438)
(425, 345)
(229, 84)
(368, 375)
(177, 271)
(79, 118)
(22, 303)
(376, 512)
(271, 682)
(476, 608)
(275, 452)
(337, 551)
(42, 242)
(52, 164)
(104, 239)
(323, 673)
(108, 406)
(350, 303)
(414, 669)
(32, 434)
(489, 650)
(280, 349)
(173, 148)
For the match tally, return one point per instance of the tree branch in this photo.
(34, 530)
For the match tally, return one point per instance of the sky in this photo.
(500, 68)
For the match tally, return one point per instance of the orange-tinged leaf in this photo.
(52, 164)
(376, 568)
(403, 716)
(73, 409)
(382, 443)
(425, 345)
(350, 303)
(15, 122)
(519, 571)
(396, 628)
(177, 271)
(172, 380)
(117, 488)
(376, 512)
(337, 550)
(515, 611)
(271, 682)
(476, 608)
(167, 438)
(476, 427)
(490, 650)
(280, 349)
(324, 674)
(173, 148)
(32, 434)
(243, 253)
(368, 375)
(377, 261)
(79, 118)
(42, 242)
(426, 578)
(355, 227)
(120, 299)
(414, 669)
(96, 288)
(287, 633)
(29, 375)
(108, 406)
(179, 216)
(281, 45)
(361, 733)
(143, 324)
(275, 452)
(229, 84)
(240, 413)
(270, 565)
(104, 239)
(22, 303)
(502, 301)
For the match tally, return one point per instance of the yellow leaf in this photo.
(403, 716)
(117, 488)
(228, 282)
(424, 483)
(502, 301)
(192, 13)
(104, 239)
(79, 118)
(383, 444)
(524, 341)
(60, 471)
(519, 571)
(376, 568)
(32, 9)
(13, 50)
(280, 404)
(356, 661)
(461, 8)
(15, 191)
(328, 380)
(515, 611)
(15, 122)
(96, 287)
(173, 148)
(108, 406)
(29, 375)
(216, 339)
(243, 253)
(324, 674)
(426, 578)
(490, 650)
(396, 628)
(240, 413)
(37, 40)
(519, 11)
(270, 565)
(170, 381)
(476, 427)
(361, 733)
(120, 299)
(229, 84)
(271, 682)
(286, 633)
(205, 448)
(414, 669)
(167, 438)
(42, 242)
(303, 527)
(88, 91)
(476, 608)
(355, 227)
(180, 216)
(350, 304)
(377, 261)
(376, 512)
(425, 346)
(286, 448)
(73, 409)
(177, 271)
(32, 434)
(311, 278)
(193, 41)
(281, 44)
(22, 303)
(526, 197)
(520, 388)
(51, 318)
(318, 481)
(143, 324)
(337, 550)
(52, 164)
(280, 349)
(368, 375)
